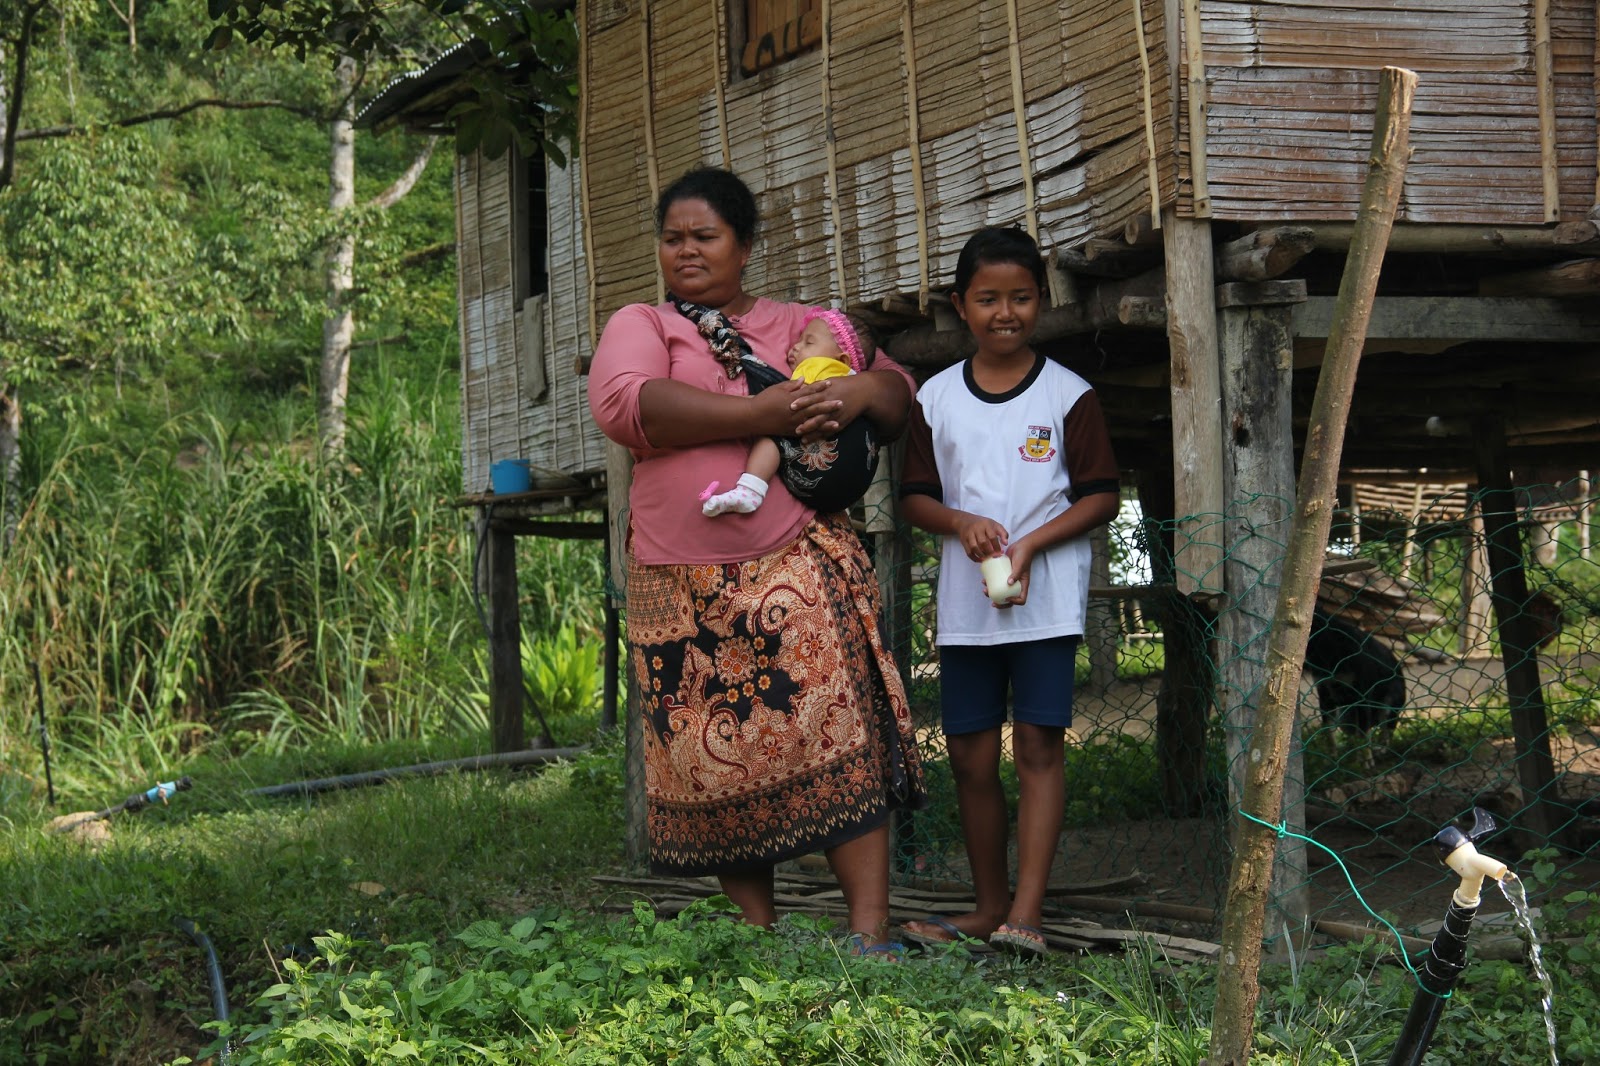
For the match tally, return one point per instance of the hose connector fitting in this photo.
(1458, 852)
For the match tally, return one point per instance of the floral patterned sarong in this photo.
(775, 723)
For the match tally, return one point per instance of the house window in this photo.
(773, 31)
(530, 271)
(530, 228)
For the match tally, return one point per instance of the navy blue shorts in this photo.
(973, 680)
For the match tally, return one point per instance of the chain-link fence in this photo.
(1447, 668)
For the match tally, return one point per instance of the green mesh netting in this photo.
(1416, 706)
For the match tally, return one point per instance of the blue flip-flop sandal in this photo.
(944, 925)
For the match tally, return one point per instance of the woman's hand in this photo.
(774, 412)
(824, 410)
(830, 405)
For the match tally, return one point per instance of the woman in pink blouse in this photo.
(775, 722)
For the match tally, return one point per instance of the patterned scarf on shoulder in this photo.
(726, 344)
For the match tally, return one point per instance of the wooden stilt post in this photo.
(1183, 702)
(1585, 514)
(1473, 634)
(499, 590)
(1196, 402)
(1519, 641)
(1256, 348)
(1101, 625)
(1262, 815)
(610, 656)
(619, 476)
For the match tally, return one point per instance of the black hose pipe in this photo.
(1447, 955)
(1441, 969)
(219, 991)
(378, 777)
(134, 803)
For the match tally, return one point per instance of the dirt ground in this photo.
(1380, 828)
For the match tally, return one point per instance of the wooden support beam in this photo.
(1255, 347)
(1570, 238)
(1460, 318)
(1573, 279)
(1141, 231)
(1264, 253)
(499, 589)
(1113, 304)
(1196, 400)
(527, 527)
(1188, 680)
(1519, 640)
(1106, 302)
(1261, 293)
(1107, 259)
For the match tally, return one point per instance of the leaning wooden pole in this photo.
(1238, 979)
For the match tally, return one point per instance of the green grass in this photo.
(456, 915)
(92, 928)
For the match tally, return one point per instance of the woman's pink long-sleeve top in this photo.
(643, 342)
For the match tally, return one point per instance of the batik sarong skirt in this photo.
(775, 722)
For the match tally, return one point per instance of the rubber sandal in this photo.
(856, 947)
(1019, 939)
(944, 925)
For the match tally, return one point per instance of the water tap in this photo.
(1458, 852)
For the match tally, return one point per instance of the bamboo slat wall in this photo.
(501, 419)
(1503, 130)
(903, 214)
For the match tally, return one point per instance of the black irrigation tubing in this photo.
(378, 777)
(134, 803)
(219, 991)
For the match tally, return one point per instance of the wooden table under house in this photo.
(1192, 169)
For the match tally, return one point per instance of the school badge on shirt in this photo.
(1037, 448)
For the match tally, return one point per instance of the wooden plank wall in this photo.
(499, 418)
(1085, 120)
(1291, 88)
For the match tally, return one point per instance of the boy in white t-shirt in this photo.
(1007, 456)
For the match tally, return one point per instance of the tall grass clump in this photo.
(209, 579)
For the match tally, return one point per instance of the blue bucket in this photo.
(510, 476)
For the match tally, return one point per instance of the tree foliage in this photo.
(523, 93)
(102, 271)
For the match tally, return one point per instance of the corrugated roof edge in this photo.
(406, 89)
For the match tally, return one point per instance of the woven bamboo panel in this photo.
(580, 446)
(1291, 89)
(1085, 149)
(1413, 502)
(469, 291)
(1421, 35)
(1292, 143)
(500, 419)
(613, 149)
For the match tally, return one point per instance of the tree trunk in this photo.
(333, 385)
(10, 468)
(338, 329)
(1239, 961)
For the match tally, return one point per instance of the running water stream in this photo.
(1517, 895)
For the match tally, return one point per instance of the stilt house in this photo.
(1192, 169)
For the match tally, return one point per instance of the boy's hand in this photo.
(1021, 555)
(980, 537)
